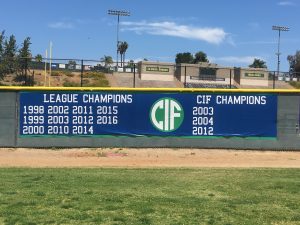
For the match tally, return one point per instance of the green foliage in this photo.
(8, 62)
(72, 62)
(294, 61)
(200, 57)
(258, 63)
(108, 61)
(131, 64)
(2, 38)
(188, 57)
(13, 60)
(122, 48)
(10, 47)
(71, 84)
(90, 79)
(25, 52)
(97, 79)
(57, 73)
(69, 74)
(26, 80)
(38, 58)
(99, 83)
(149, 196)
(94, 75)
(295, 84)
(185, 57)
(24, 58)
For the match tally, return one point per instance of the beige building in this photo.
(156, 71)
(254, 77)
(213, 73)
(203, 73)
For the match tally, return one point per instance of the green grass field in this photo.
(149, 196)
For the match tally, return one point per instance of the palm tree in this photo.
(38, 58)
(123, 46)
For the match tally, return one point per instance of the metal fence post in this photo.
(134, 75)
(81, 74)
(230, 78)
(185, 76)
(274, 80)
(32, 81)
(26, 76)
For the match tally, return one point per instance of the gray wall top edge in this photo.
(123, 89)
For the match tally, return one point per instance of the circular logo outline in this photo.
(159, 104)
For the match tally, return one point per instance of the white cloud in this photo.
(285, 3)
(166, 28)
(61, 25)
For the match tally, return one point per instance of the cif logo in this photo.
(166, 114)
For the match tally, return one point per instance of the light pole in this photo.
(118, 13)
(279, 28)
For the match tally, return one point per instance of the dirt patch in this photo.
(145, 158)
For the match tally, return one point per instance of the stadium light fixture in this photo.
(279, 29)
(118, 13)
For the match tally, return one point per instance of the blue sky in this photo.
(231, 32)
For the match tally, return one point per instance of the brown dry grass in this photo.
(147, 158)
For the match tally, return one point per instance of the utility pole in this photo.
(50, 69)
(118, 13)
(46, 59)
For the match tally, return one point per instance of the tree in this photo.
(294, 61)
(2, 37)
(131, 64)
(24, 58)
(108, 60)
(2, 68)
(13, 60)
(10, 47)
(72, 64)
(123, 46)
(200, 57)
(185, 57)
(258, 63)
(8, 62)
(38, 58)
(25, 52)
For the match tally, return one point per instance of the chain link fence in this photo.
(54, 72)
(95, 73)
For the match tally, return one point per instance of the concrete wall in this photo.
(191, 79)
(287, 128)
(8, 119)
(254, 82)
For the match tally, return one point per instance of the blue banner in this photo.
(148, 114)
